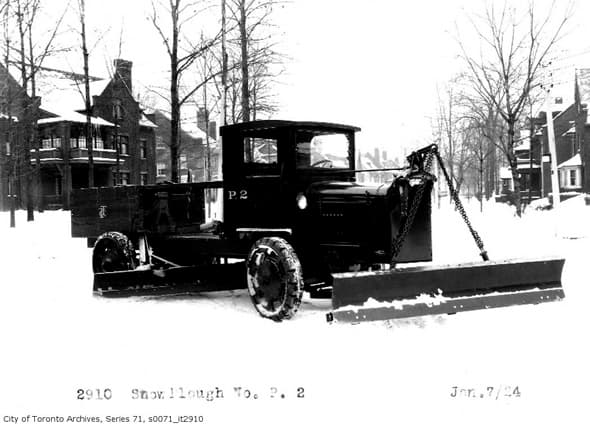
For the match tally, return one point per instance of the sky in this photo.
(374, 64)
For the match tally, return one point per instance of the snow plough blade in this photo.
(447, 289)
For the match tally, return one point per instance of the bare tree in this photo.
(181, 58)
(508, 60)
(450, 132)
(31, 57)
(253, 50)
(87, 105)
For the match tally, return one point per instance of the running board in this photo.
(431, 290)
(178, 279)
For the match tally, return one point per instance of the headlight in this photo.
(301, 201)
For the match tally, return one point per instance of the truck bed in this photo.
(162, 208)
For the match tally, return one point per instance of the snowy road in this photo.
(56, 338)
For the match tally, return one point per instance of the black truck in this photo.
(295, 219)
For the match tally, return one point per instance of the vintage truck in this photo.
(295, 219)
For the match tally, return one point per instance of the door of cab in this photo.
(255, 192)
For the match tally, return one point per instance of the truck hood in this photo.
(338, 189)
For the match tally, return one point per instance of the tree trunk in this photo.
(87, 106)
(174, 99)
(513, 168)
(25, 119)
(244, 63)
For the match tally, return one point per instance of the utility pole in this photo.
(552, 151)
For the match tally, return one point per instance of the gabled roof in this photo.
(71, 116)
(192, 129)
(582, 89)
(65, 91)
(576, 160)
(188, 127)
(145, 122)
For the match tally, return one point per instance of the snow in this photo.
(56, 338)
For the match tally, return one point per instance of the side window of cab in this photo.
(261, 156)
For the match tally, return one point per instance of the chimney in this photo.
(123, 72)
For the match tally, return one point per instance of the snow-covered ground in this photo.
(57, 338)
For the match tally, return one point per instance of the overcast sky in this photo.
(373, 63)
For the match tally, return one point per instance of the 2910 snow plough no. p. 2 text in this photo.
(295, 219)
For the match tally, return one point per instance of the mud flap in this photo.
(447, 289)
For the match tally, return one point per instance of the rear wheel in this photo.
(113, 251)
(275, 281)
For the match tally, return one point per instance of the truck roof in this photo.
(275, 124)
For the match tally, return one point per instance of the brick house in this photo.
(572, 141)
(12, 100)
(123, 138)
(528, 163)
(192, 149)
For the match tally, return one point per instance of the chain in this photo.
(398, 241)
(459, 207)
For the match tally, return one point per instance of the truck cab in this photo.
(268, 166)
(297, 180)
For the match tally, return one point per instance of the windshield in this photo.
(321, 150)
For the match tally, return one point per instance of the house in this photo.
(378, 159)
(196, 148)
(12, 103)
(570, 174)
(572, 141)
(528, 163)
(123, 139)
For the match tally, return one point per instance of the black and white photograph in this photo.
(294, 211)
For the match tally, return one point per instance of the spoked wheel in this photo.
(113, 251)
(275, 281)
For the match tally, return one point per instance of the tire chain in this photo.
(123, 243)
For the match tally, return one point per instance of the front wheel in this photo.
(275, 281)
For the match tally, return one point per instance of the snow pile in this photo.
(57, 337)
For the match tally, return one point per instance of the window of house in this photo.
(161, 169)
(573, 177)
(160, 145)
(144, 178)
(125, 177)
(117, 109)
(123, 144)
(143, 148)
(50, 143)
(183, 161)
(98, 142)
